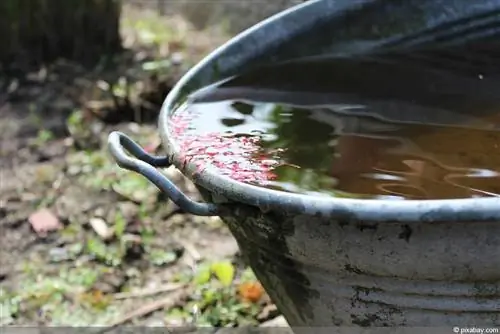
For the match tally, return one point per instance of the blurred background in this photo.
(82, 241)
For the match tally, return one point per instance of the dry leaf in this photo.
(95, 298)
(251, 291)
(44, 221)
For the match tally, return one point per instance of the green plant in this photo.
(43, 136)
(111, 255)
(217, 300)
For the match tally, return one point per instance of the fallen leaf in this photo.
(251, 291)
(224, 271)
(96, 299)
(43, 221)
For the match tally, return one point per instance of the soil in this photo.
(86, 243)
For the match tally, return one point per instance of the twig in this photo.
(167, 302)
(149, 292)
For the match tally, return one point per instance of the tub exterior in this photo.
(323, 272)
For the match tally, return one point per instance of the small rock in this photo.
(134, 128)
(44, 221)
(101, 228)
(74, 170)
(59, 254)
(177, 58)
(267, 311)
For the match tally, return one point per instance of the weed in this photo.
(161, 258)
(46, 295)
(218, 300)
(43, 137)
(120, 225)
(111, 255)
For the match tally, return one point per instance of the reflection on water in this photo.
(357, 148)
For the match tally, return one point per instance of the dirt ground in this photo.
(86, 243)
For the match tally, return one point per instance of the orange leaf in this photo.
(95, 298)
(251, 291)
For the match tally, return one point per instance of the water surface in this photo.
(363, 129)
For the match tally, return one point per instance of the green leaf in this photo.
(161, 258)
(224, 271)
(111, 255)
(135, 188)
(203, 275)
(209, 296)
(120, 225)
(97, 248)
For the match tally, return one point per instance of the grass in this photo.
(70, 295)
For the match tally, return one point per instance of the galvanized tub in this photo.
(348, 262)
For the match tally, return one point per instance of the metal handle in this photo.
(145, 165)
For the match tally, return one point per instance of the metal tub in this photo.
(348, 262)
